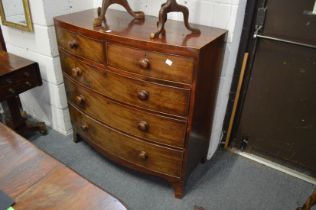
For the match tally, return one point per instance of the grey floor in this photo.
(227, 181)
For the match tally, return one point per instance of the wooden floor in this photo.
(35, 180)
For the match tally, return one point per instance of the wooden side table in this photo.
(18, 75)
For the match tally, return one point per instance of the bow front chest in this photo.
(144, 103)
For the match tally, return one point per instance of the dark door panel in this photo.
(291, 20)
(278, 116)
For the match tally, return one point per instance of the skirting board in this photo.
(275, 166)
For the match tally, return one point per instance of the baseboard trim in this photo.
(275, 166)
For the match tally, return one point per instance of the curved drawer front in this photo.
(165, 99)
(81, 46)
(137, 152)
(152, 64)
(132, 121)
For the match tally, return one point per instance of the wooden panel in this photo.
(19, 160)
(139, 93)
(64, 188)
(35, 180)
(156, 65)
(152, 157)
(81, 46)
(132, 121)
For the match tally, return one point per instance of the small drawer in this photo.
(18, 82)
(134, 151)
(80, 45)
(151, 96)
(129, 120)
(151, 64)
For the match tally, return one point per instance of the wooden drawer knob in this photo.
(80, 100)
(9, 81)
(11, 91)
(143, 126)
(84, 127)
(28, 84)
(76, 72)
(144, 63)
(143, 95)
(73, 44)
(143, 155)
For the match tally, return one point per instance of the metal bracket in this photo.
(244, 143)
(261, 16)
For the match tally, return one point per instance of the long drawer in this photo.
(149, 156)
(152, 96)
(139, 123)
(151, 64)
(80, 45)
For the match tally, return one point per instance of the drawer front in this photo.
(137, 152)
(81, 46)
(132, 121)
(18, 82)
(151, 64)
(139, 93)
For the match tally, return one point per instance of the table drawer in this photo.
(129, 120)
(19, 81)
(146, 155)
(80, 45)
(152, 96)
(151, 64)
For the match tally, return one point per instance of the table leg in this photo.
(16, 118)
(12, 115)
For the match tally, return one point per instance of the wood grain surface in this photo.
(80, 45)
(161, 98)
(37, 181)
(150, 156)
(152, 127)
(151, 64)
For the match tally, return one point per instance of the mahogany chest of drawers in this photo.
(146, 104)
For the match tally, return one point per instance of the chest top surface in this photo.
(10, 63)
(121, 24)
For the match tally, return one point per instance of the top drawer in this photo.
(81, 46)
(151, 64)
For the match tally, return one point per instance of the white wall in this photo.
(47, 102)
(227, 14)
